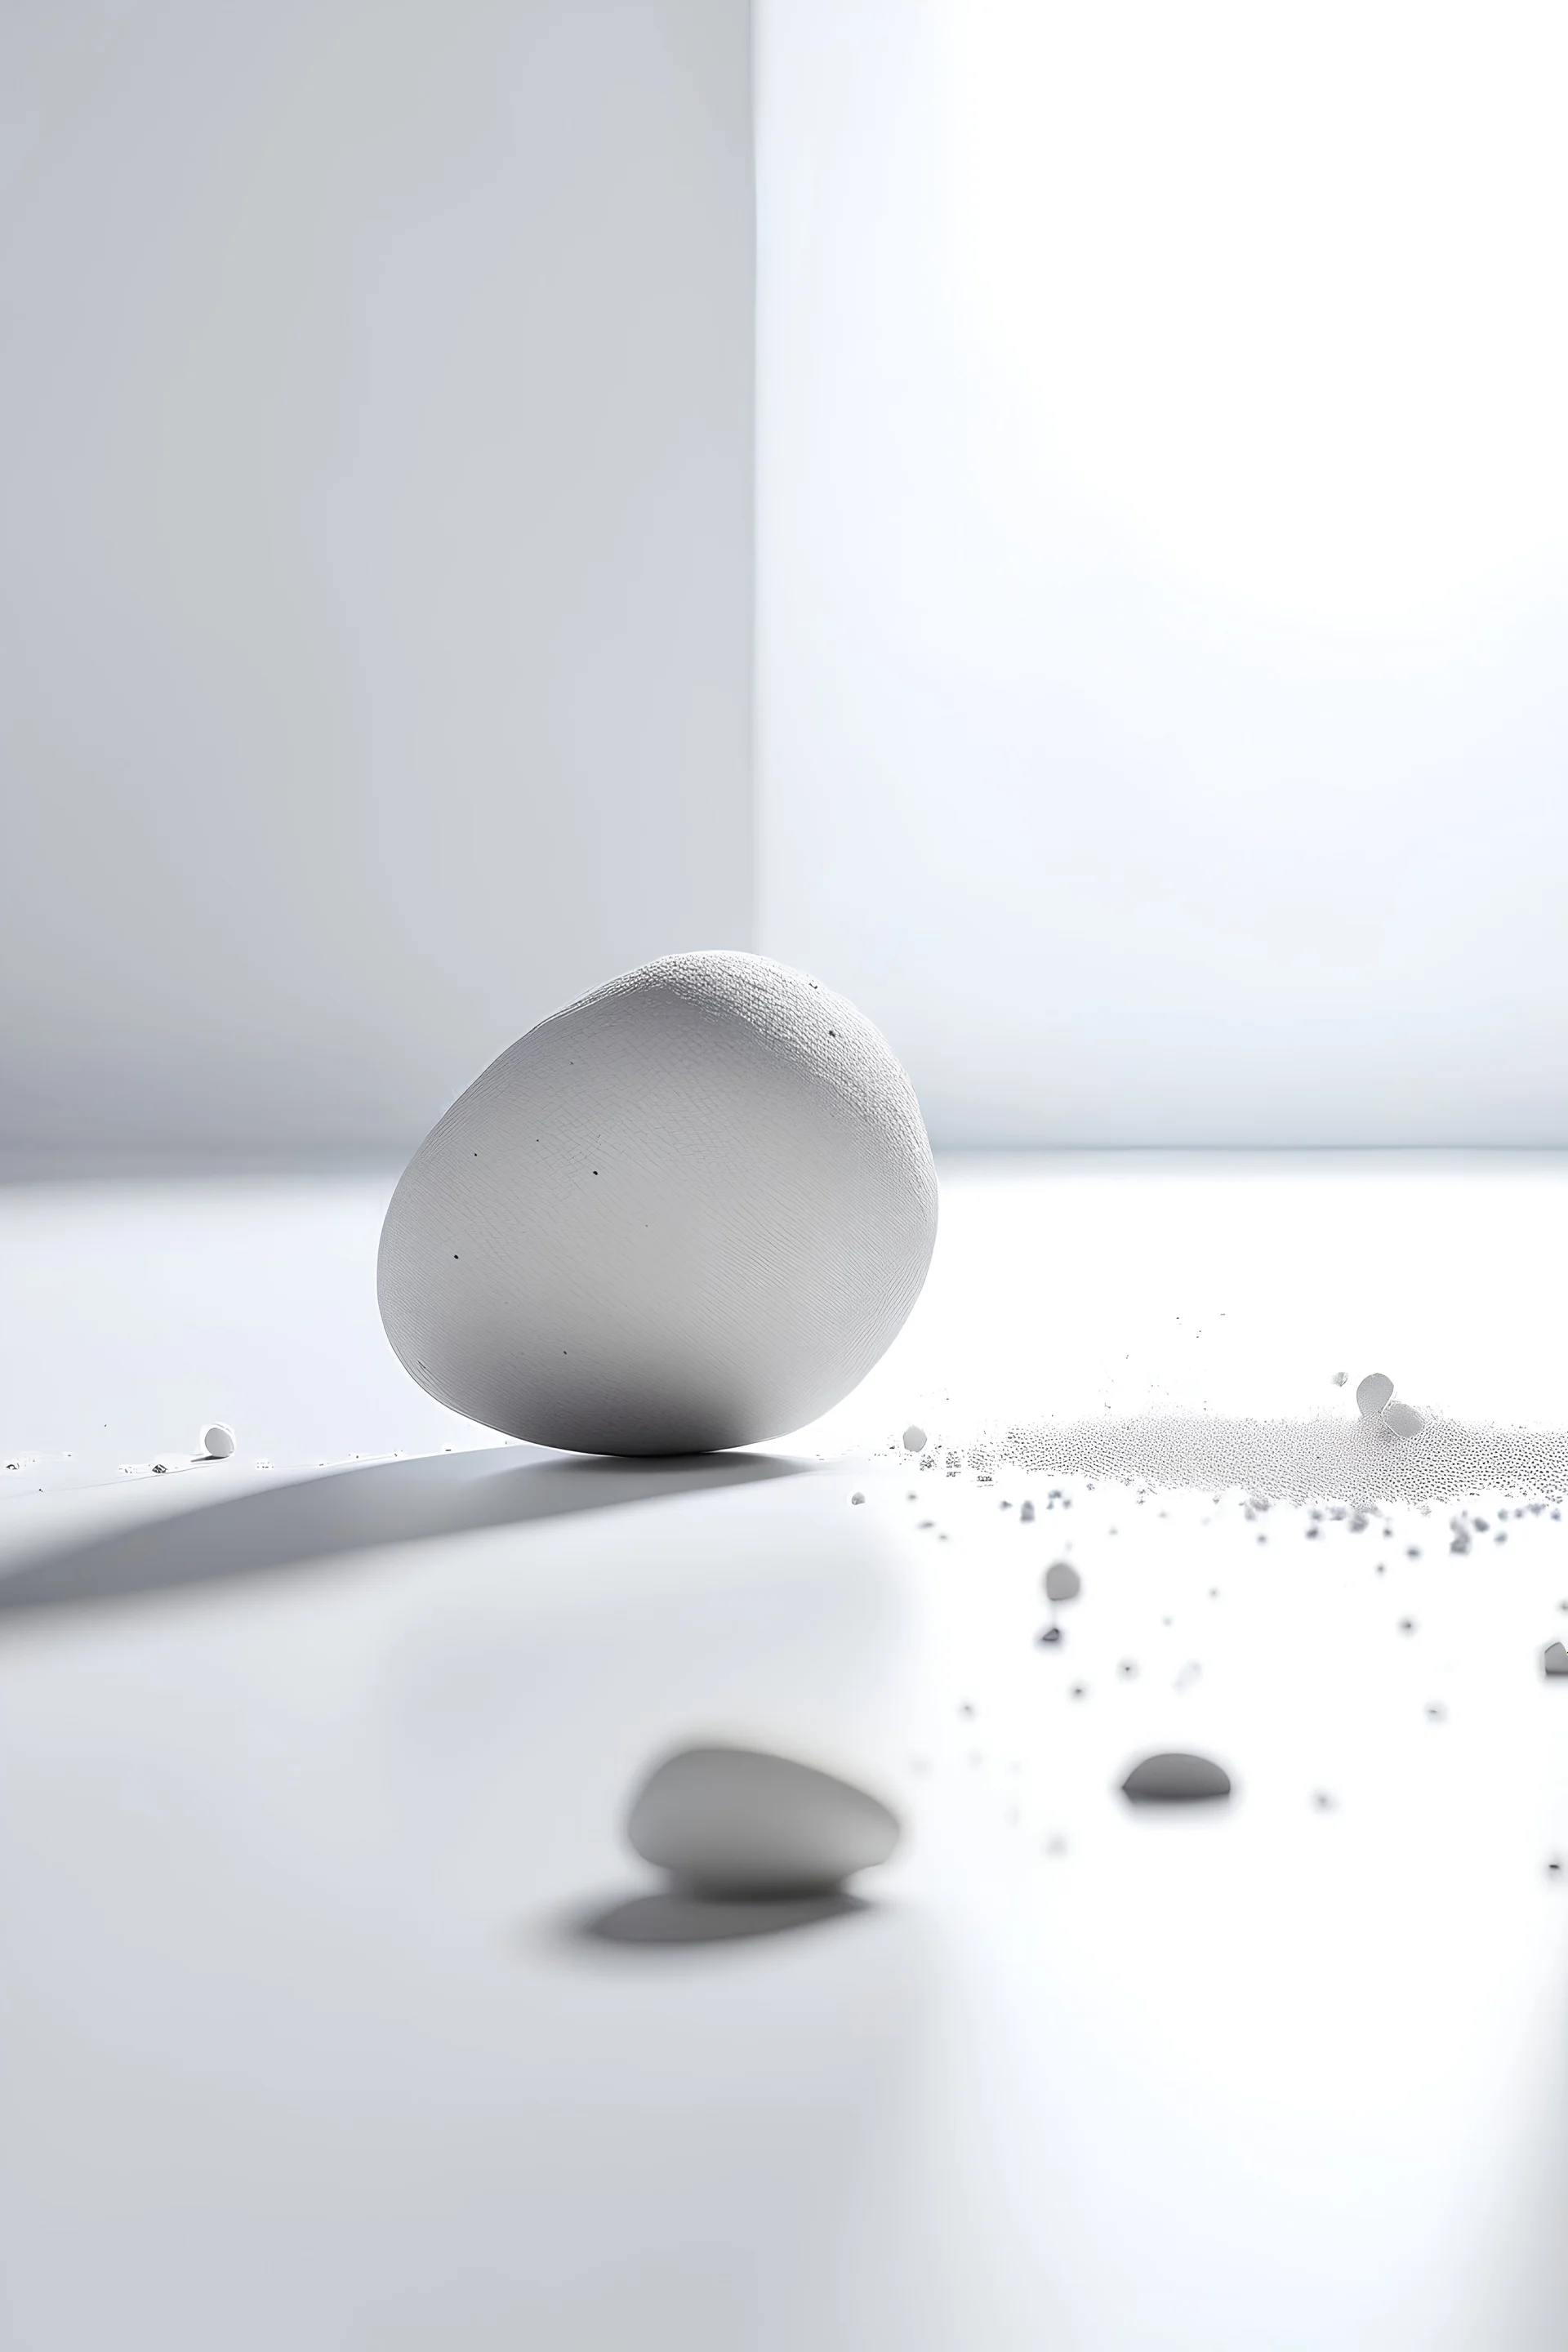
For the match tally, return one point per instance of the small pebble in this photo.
(1372, 1394)
(217, 1441)
(1174, 1778)
(739, 1822)
(1027, 1514)
(1554, 1659)
(1051, 1633)
(857, 1498)
(1063, 1581)
(1403, 1419)
(1340, 1379)
(914, 1438)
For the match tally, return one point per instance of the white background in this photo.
(1164, 723)
(375, 546)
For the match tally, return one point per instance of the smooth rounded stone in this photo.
(741, 1822)
(1372, 1394)
(1554, 1659)
(690, 1212)
(914, 1438)
(1340, 1379)
(1402, 1420)
(1175, 1780)
(1062, 1582)
(218, 1440)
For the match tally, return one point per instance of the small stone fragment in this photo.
(914, 1438)
(1026, 1513)
(1554, 1659)
(1174, 1778)
(857, 1496)
(1403, 1419)
(1340, 1379)
(1372, 1394)
(217, 1441)
(741, 1822)
(1052, 1633)
(1062, 1582)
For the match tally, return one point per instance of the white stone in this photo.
(690, 1212)
(1063, 1581)
(738, 1821)
(218, 1440)
(1372, 1394)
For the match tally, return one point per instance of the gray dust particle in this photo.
(1062, 1582)
(1340, 1379)
(1174, 1778)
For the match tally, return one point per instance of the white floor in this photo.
(302, 2040)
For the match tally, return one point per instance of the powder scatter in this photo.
(1329, 1458)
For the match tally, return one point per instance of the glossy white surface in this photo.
(300, 2045)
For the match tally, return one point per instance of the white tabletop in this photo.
(307, 2038)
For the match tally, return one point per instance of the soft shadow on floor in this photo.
(313, 1519)
(672, 1916)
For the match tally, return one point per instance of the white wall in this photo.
(1163, 716)
(374, 545)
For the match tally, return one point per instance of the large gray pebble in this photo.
(738, 1821)
(1175, 1780)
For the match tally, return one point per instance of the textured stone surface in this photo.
(690, 1212)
